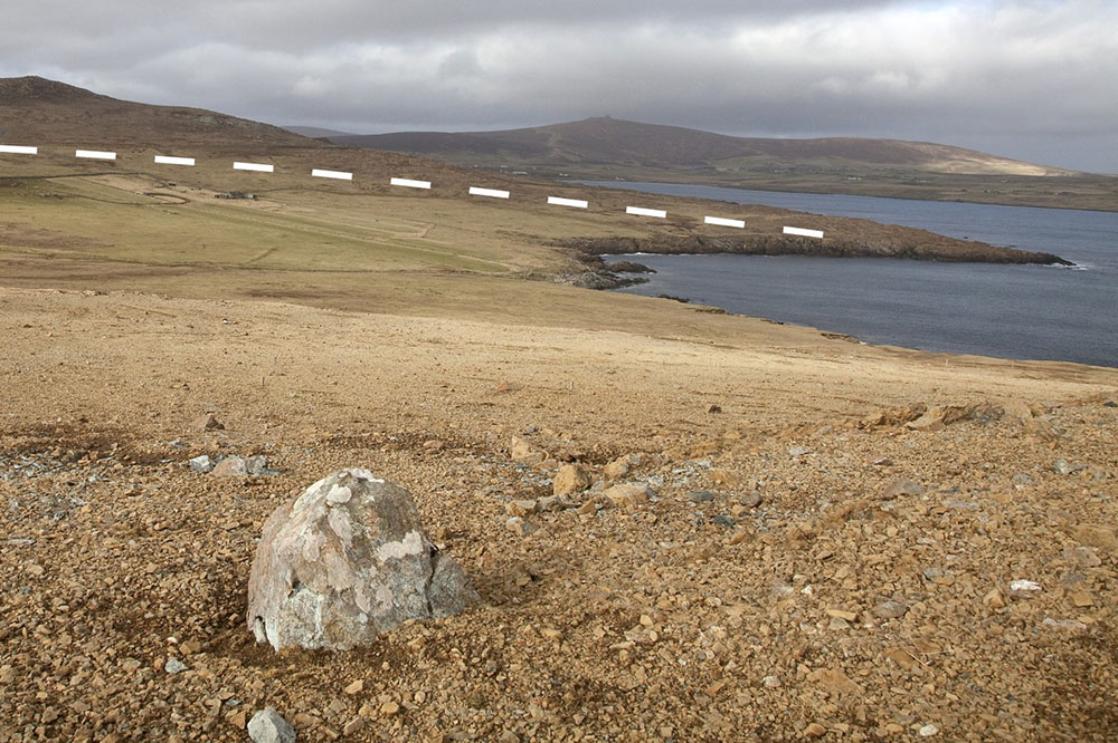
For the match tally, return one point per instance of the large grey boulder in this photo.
(345, 562)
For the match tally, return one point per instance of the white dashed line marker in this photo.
(95, 155)
(490, 192)
(723, 222)
(15, 149)
(409, 183)
(338, 175)
(254, 167)
(818, 234)
(576, 203)
(640, 211)
(164, 160)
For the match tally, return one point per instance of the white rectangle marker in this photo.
(15, 149)
(95, 155)
(491, 192)
(338, 175)
(576, 203)
(723, 222)
(254, 167)
(803, 233)
(640, 211)
(164, 160)
(409, 183)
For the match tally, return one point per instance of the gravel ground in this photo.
(850, 573)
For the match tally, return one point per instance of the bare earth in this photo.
(849, 577)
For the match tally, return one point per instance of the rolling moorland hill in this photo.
(607, 140)
(36, 110)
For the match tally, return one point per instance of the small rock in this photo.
(208, 422)
(890, 609)
(571, 478)
(1082, 599)
(519, 526)
(617, 469)
(553, 503)
(174, 665)
(936, 417)
(258, 465)
(388, 709)
(815, 730)
(902, 486)
(521, 451)
(590, 506)
(268, 726)
(927, 731)
(230, 467)
(700, 496)
(1022, 586)
(934, 572)
(1065, 624)
(201, 464)
(1085, 557)
(751, 500)
(355, 688)
(798, 451)
(714, 409)
(1022, 480)
(770, 682)
(630, 496)
(724, 521)
(848, 616)
(994, 599)
(521, 507)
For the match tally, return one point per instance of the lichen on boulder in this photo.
(345, 562)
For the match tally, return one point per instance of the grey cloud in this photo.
(1030, 79)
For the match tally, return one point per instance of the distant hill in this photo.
(317, 132)
(605, 140)
(34, 110)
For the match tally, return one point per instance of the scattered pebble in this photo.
(268, 726)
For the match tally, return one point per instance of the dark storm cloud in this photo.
(1031, 79)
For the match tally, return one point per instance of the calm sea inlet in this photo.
(1019, 312)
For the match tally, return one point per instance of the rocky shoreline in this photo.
(601, 274)
(942, 249)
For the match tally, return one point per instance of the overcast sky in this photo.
(1033, 79)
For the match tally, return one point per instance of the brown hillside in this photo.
(37, 111)
(607, 140)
